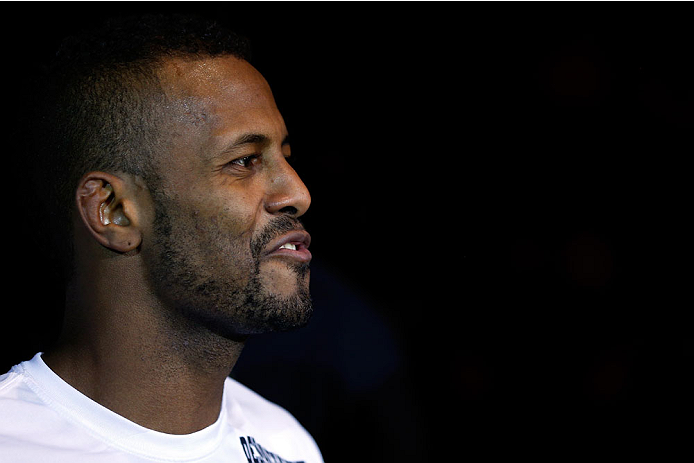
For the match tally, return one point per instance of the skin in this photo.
(172, 277)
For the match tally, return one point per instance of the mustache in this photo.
(277, 227)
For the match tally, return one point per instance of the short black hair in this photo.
(101, 103)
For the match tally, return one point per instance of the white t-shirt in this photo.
(44, 419)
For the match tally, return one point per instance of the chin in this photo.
(283, 280)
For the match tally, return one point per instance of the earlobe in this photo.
(104, 204)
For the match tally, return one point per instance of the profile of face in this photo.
(226, 248)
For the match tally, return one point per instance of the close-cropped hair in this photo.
(101, 105)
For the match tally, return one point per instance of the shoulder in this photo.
(28, 424)
(266, 422)
(17, 397)
(256, 409)
(8, 381)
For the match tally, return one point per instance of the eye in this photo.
(245, 162)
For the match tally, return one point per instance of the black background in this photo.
(499, 208)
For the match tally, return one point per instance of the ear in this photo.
(107, 206)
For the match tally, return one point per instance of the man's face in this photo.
(226, 201)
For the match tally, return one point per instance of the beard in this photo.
(217, 282)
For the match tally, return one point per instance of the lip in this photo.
(299, 238)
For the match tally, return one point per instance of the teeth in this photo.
(288, 246)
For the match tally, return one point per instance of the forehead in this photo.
(215, 101)
(217, 91)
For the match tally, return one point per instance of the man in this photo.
(178, 213)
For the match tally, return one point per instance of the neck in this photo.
(140, 359)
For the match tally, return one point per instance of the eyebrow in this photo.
(252, 139)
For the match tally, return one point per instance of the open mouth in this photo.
(293, 245)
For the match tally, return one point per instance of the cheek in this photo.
(231, 211)
(216, 225)
(221, 236)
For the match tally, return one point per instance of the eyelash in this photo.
(244, 162)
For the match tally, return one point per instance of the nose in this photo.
(286, 192)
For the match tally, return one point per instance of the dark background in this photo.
(499, 209)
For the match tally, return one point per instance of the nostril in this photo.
(291, 210)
